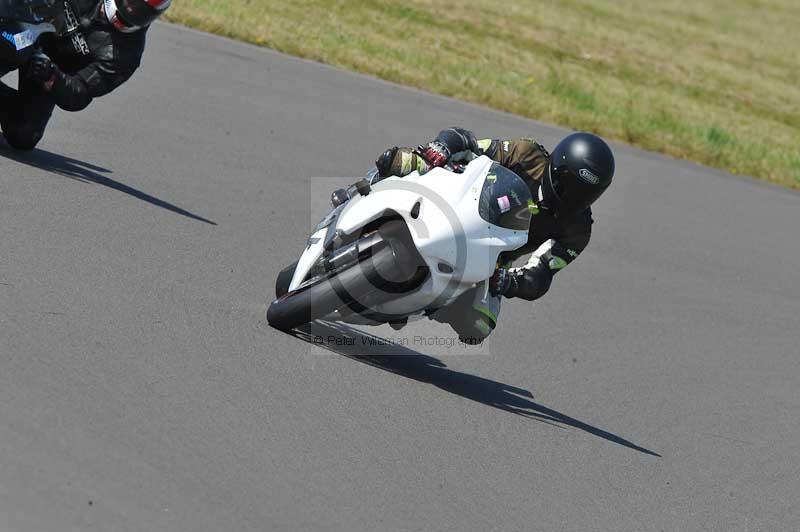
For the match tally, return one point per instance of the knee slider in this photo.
(475, 328)
(23, 138)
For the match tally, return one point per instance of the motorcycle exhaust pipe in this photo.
(351, 254)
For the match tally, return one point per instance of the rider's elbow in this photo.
(73, 105)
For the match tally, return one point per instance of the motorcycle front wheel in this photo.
(366, 279)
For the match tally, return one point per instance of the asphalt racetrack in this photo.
(655, 388)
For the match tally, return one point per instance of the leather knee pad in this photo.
(473, 330)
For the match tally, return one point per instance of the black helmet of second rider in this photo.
(581, 168)
(132, 15)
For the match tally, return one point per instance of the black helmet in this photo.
(581, 168)
(131, 15)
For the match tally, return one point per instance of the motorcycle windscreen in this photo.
(505, 200)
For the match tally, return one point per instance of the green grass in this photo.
(713, 81)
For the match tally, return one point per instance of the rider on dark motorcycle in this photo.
(101, 52)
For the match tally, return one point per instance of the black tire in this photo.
(360, 281)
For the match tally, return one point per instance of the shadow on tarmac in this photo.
(382, 354)
(88, 173)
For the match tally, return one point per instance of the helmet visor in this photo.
(569, 193)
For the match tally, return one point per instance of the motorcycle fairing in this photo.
(440, 209)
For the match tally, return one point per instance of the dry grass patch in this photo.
(713, 81)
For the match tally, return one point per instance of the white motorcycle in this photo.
(399, 248)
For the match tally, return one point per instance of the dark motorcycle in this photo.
(22, 23)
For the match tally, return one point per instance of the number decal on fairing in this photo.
(24, 39)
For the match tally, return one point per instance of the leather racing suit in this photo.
(95, 58)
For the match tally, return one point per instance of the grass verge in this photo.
(715, 82)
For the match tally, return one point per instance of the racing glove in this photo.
(384, 162)
(529, 282)
(40, 68)
(458, 139)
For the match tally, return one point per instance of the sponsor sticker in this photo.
(504, 203)
(24, 39)
(588, 176)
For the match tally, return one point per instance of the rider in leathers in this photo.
(563, 186)
(100, 53)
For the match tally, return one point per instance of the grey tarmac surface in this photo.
(656, 388)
